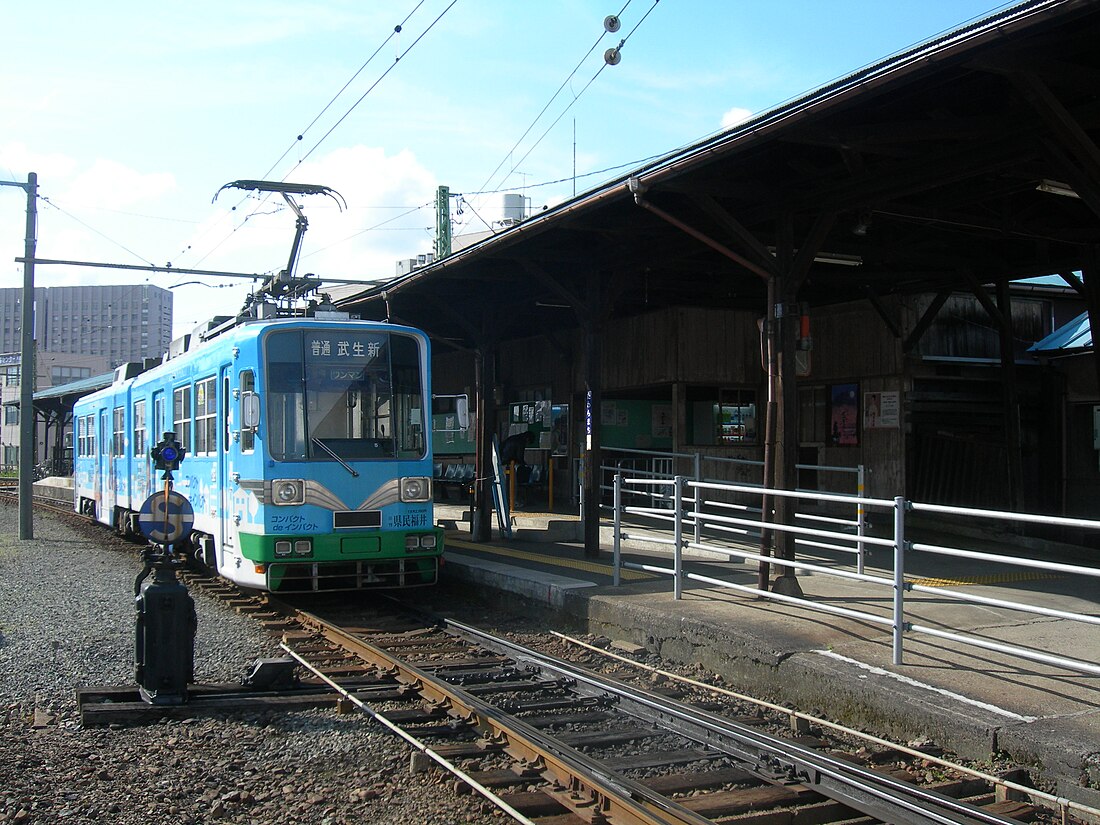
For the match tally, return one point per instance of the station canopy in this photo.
(969, 160)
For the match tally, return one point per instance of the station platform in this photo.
(978, 704)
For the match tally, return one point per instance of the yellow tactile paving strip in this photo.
(992, 578)
(573, 564)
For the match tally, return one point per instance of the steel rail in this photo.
(875, 794)
(578, 782)
(1058, 802)
(412, 740)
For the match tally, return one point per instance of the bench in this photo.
(455, 476)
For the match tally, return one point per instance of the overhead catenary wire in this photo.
(578, 95)
(92, 229)
(374, 85)
(553, 97)
(396, 31)
(343, 117)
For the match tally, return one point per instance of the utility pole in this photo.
(442, 222)
(26, 363)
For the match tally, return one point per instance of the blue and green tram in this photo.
(309, 460)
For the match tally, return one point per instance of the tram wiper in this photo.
(327, 449)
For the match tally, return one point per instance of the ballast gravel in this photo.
(67, 621)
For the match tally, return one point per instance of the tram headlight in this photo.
(282, 548)
(303, 547)
(286, 491)
(415, 542)
(416, 488)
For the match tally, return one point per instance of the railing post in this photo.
(678, 539)
(618, 527)
(861, 520)
(899, 574)
(580, 484)
(697, 495)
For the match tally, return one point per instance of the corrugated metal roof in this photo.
(1077, 334)
(81, 387)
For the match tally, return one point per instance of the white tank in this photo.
(514, 210)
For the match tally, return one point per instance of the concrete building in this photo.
(80, 331)
(125, 322)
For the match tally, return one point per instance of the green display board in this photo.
(548, 421)
(453, 431)
(636, 425)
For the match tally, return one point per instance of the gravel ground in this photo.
(67, 621)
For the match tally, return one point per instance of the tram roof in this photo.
(969, 159)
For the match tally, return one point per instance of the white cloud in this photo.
(109, 184)
(16, 158)
(733, 117)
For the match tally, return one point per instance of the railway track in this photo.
(548, 741)
(9, 491)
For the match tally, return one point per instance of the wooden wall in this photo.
(662, 353)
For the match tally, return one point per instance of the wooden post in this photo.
(786, 582)
(593, 364)
(1011, 398)
(481, 519)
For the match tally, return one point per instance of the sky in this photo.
(135, 115)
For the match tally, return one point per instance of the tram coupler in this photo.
(164, 651)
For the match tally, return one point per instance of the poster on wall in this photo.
(844, 414)
(881, 410)
(662, 421)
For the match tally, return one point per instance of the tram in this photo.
(308, 461)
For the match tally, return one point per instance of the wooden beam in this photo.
(994, 311)
(1060, 121)
(544, 277)
(807, 251)
(1086, 187)
(703, 238)
(722, 216)
(926, 320)
(1074, 282)
(884, 314)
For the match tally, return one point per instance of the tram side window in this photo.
(158, 416)
(139, 428)
(118, 432)
(407, 399)
(206, 417)
(181, 416)
(286, 397)
(86, 436)
(248, 386)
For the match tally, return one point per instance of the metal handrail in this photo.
(715, 524)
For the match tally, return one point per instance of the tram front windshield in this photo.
(343, 395)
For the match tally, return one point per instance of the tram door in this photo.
(225, 538)
(105, 477)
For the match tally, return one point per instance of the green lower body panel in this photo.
(346, 561)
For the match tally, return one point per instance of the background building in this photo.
(128, 322)
(80, 332)
(52, 369)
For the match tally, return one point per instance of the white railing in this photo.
(658, 466)
(725, 529)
